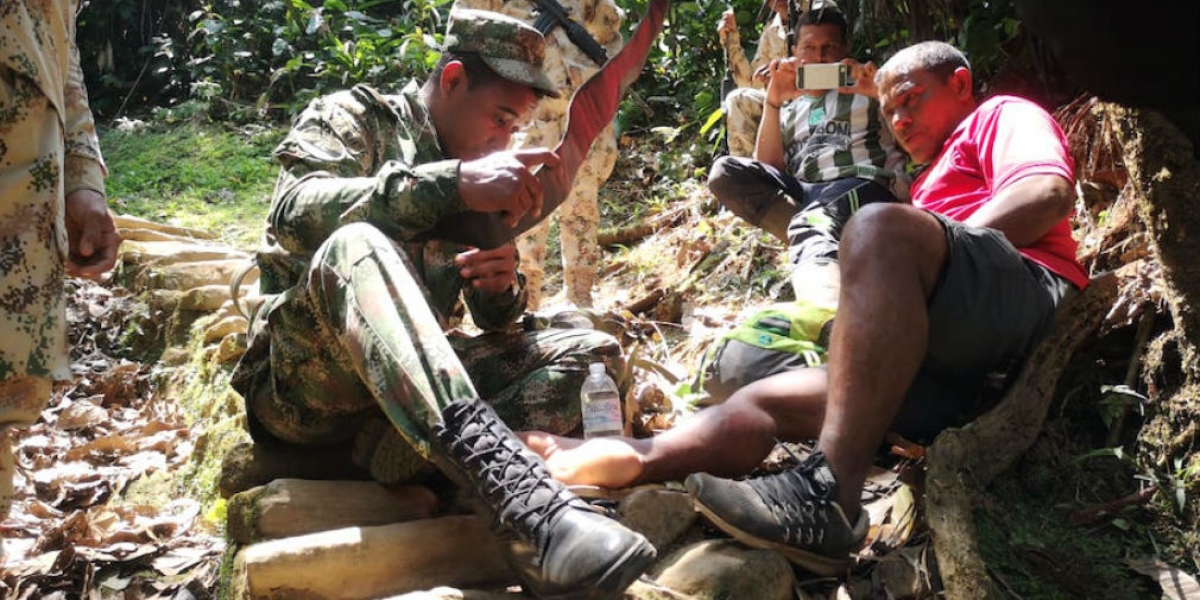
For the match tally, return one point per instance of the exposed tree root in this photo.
(963, 461)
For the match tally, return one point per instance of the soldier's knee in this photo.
(745, 100)
(352, 241)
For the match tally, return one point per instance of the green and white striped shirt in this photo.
(836, 136)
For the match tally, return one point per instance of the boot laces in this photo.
(518, 484)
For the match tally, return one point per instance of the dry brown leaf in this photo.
(1176, 584)
(81, 415)
(102, 450)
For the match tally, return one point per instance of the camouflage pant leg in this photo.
(579, 219)
(533, 378)
(356, 332)
(578, 225)
(7, 470)
(743, 112)
(33, 237)
(531, 246)
(21, 401)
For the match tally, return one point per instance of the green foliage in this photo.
(279, 54)
(194, 175)
(678, 93)
(130, 54)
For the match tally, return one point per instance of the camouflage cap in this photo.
(513, 49)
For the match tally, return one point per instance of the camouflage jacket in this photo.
(40, 163)
(362, 156)
(37, 41)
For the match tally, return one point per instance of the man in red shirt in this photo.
(935, 296)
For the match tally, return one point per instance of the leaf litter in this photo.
(71, 533)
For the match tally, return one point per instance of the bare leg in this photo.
(729, 439)
(891, 256)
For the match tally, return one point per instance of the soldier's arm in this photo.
(332, 176)
(604, 24)
(735, 55)
(92, 236)
(85, 169)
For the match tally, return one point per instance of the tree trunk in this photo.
(1166, 176)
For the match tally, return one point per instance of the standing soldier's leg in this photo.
(579, 219)
(360, 291)
(743, 113)
(21, 402)
(531, 247)
(544, 132)
(33, 326)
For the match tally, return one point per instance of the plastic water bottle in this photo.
(600, 403)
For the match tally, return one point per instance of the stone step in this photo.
(365, 563)
(131, 223)
(291, 507)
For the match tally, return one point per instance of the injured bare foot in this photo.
(608, 462)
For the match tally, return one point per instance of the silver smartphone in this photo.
(824, 76)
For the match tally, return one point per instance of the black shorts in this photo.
(990, 309)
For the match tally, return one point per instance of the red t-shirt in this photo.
(1005, 139)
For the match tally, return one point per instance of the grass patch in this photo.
(194, 174)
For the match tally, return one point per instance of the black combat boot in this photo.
(560, 548)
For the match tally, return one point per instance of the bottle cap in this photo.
(597, 368)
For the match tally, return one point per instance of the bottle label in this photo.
(602, 414)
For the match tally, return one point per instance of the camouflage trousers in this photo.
(22, 399)
(33, 328)
(578, 225)
(743, 113)
(356, 335)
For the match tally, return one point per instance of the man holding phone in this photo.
(821, 153)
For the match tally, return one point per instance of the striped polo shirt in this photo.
(836, 136)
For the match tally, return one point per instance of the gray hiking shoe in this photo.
(560, 548)
(792, 512)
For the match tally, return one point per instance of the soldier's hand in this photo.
(92, 236)
(492, 270)
(727, 24)
(504, 182)
(762, 74)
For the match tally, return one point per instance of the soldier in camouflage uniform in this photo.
(744, 105)
(358, 300)
(568, 67)
(54, 218)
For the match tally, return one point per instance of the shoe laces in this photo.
(799, 500)
(509, 476)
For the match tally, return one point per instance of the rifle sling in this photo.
(552, 14)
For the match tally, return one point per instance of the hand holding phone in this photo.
(823, 76)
